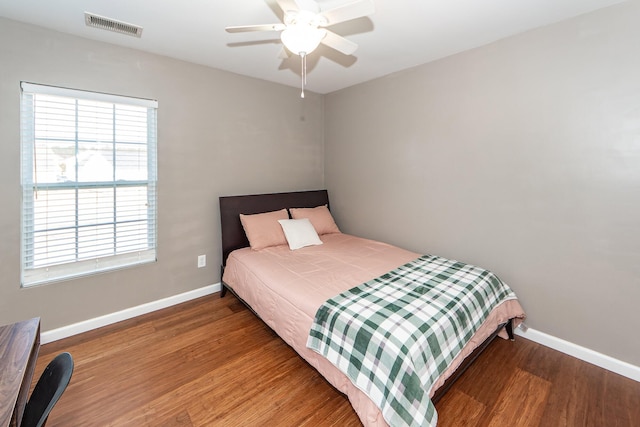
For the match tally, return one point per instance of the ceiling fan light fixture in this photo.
(302, 38)
(303, 27)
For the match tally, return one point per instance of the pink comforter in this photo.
(286, 288)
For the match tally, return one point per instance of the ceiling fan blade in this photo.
(353, 10)
(287, 5)
(265, 27)
(339, 43)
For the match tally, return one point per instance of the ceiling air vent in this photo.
(109, 24)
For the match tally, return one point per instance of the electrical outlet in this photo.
(202, 261)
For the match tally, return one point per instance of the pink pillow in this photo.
(263, 229)
(319, 216)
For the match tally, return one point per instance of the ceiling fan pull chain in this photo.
(303, 71)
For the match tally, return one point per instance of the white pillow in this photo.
(299, 233)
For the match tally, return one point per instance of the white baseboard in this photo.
(108, 319)
(602, 360)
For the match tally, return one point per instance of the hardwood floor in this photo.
(211, 362)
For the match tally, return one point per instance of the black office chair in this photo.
(50, 386)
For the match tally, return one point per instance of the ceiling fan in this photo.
(304, 27)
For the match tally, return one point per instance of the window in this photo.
(88, 182)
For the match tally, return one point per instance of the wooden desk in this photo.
(19, 346)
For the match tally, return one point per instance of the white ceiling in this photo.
(401, 34)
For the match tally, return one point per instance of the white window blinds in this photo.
(88, 182)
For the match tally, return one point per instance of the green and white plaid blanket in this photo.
(395, 335)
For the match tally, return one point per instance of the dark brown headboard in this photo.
(231, 207)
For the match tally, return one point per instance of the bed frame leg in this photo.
(509, 328)
(223, 289)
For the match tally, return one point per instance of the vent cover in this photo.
(97, 21)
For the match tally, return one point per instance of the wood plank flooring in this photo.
(211, 362)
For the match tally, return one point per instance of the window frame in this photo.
(35, 275)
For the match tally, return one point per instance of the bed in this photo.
(287, 288)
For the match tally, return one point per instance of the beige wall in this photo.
(522, 156)
(218, 134)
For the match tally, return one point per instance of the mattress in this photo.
(286, 288)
